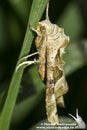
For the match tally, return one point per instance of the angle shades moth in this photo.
(50, 43)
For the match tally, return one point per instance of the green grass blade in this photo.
(37, 9)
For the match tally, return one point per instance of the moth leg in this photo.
(27, 63)
(25, 57)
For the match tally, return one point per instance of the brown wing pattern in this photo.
(51, 44)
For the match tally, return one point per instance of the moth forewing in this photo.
(40, 43)
(61, 88)
(51, 109)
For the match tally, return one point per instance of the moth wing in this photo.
(51, 109)
(41, 70)
(40, 42)
(61, 88)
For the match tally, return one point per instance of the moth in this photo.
(50, 43)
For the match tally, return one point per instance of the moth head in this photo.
(47, 25)
(41, 29)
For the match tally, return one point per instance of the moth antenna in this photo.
(47, 11)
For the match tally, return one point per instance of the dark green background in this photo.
(30, 106)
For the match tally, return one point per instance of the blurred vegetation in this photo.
(30, 104)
